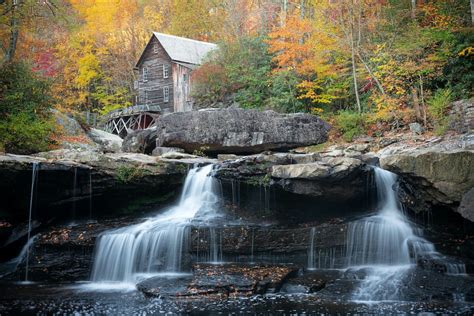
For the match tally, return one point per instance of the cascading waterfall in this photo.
(387, 245)
(215, 248)
(34, 179)
(157, 244)
(311, 259)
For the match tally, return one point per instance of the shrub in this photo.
(438, 107)
(126, 174)
(350, 124)
(25, 102)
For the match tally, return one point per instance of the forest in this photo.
(368, 67)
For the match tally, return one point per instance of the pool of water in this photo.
(80, 299)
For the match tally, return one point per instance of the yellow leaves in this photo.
(467, 52)
(88, 70)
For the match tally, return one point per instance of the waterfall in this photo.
(252, 260)
(90, 195)
(215, 248)
(74, 188)
(34, 179)
(158, 243)
(387, 245)
(311, 259)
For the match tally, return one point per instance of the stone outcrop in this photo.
(440, 173)
(230, 131)
(108, 142)
(461, 116)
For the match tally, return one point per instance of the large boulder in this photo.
(441, 173)
(230, 131)
(108, 142)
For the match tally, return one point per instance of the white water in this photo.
(157, 244)
(311, 258)
(387, 246)
(34, 176)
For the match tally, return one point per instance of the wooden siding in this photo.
(181, 88)
(154, 58)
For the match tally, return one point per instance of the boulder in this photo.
(231, 130)
(466, 208)
(108, 142)
(451, 173)
(239, 278)
(334, 168)
(141, 141)
(440, 172)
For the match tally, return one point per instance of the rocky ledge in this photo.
(227, 279)
(435, 173)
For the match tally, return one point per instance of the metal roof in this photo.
(184, 49)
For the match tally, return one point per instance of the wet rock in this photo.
(165, 287)
(230, 130)
(238, 279)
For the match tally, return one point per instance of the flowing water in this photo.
(34, 179)
(157, 244)
(311, 258)
(387, 246)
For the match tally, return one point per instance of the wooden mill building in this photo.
(165, 72)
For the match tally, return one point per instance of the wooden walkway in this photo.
(123, 121)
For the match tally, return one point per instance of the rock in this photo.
(224, 157)
(165, 287)
(108, 142)
(141, 141)
(315, 170)
(231, 130)
(466, 208)
(334, 168)
(238, 278)
(73, 136)
(158, 151)
(416, 128)
(451, 173)
(461, 116)
(178, 155)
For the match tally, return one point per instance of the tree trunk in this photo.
(377, 82)
(422, 95)
(416, 103)
(11, 49)
(353, 60)
(472, 12)
(413, 9)
(284, 12)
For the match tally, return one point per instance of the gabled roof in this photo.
(181, 49)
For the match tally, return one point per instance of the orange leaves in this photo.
(291, 45)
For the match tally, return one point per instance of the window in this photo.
(166, 94)
(156, 49)
(145, 74)
(165, 71)
(146, 97)
(185, 77)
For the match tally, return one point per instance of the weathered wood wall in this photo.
(181, 88)
(154, 58)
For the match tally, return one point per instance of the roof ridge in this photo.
(185, 38)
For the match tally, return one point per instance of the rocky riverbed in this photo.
(282, 227)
